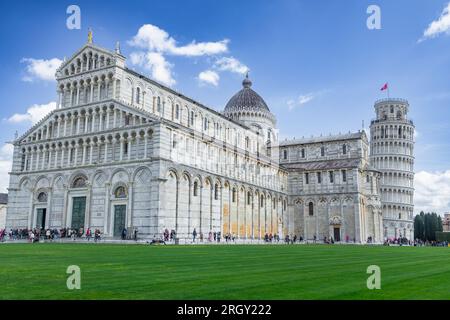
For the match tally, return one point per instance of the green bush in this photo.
(442, 236)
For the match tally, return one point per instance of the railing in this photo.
(391, 100)
(392, 120)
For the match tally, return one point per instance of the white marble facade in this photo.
(122, 150)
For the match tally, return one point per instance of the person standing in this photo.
(194, 235)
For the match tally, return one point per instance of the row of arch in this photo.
(401, 179)
(404, 163)
(133, 145)
(303, 152)
(215, 204)
(381, 131)
(87, 90)
(84, 120)
(406, 148)
(179, 111)
(397, 195)
(88, 61)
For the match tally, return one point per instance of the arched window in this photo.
(79, 182)
(303, 152)
(233, 197)
(262, 201)
(177, 112)
(285, 154)
(249, 198)
(120, 192)
(192, 118)
(216, 192)
(311, 209)
(392, 109)
(344, 149)
(132, 95)
(322, 151)
(42, 197)
(158, 104)
(195, 188)
(138, 95)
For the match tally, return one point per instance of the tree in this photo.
(419, 227)
(426, 225)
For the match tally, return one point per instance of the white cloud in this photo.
(33, 114)
(202, 48)
(208, 77)
(6, 153)
(152, 38)
(231, 64)
(439, 26)
(432, 191)
(40, 69)
(156, 63)
(301, 100)
(155, 44)
(160, 68)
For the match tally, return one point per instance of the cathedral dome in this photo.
(246, 100)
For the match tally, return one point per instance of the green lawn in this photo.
(38, 271)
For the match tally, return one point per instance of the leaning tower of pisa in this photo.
(392, 153)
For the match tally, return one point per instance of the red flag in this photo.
(384, 87)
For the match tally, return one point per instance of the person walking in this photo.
(194, 235)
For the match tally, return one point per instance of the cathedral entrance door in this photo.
(337, 234)
(40, 219)
(78, 212)
(119, 219)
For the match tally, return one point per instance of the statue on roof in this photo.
(90, 36)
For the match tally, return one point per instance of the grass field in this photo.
(38, 271)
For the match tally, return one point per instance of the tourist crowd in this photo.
(36, 234)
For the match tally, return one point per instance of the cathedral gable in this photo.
(88, 58)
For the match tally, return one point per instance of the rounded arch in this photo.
(120, 190)
(117, 173)
(42, 182)
(141, 174)
(78, 179)
(172, 171)
(197, 177)
(99, 178)
(209, 181)
(58, 178)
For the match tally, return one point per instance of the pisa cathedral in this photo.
(124, 151)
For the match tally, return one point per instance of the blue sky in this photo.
(315, 63)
